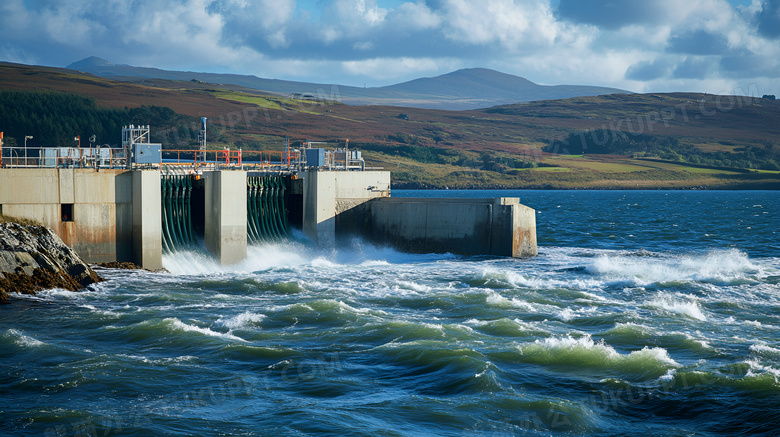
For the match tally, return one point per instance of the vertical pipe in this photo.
(285, 220)
(250, 210)
(166, 238)
(182, 215)
(256, 208)
(279, 201)
(264, 205)
(274, 216)
(188, 210)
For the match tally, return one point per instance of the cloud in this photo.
(244, 20)
(414, 17)
(699, 42)
(749, 65)
(768, 19)
(615, 14)
(515, 25)
(696, 67)
(650, 70)
(630, 44)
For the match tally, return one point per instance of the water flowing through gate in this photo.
(266, 212)
(177, 229)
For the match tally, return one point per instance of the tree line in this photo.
(607, 141)
(55, 119)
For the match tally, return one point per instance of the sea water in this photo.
(645, 313)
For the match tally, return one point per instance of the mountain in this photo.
(460, 90)
(90, 62)
(494, 86)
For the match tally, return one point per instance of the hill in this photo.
(463, 89)
(678, 140)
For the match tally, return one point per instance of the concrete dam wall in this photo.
(501, 227)
(133, 215)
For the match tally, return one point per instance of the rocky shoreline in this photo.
(34, 258)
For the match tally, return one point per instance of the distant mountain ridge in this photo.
(470, 88)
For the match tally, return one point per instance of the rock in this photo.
(126, 266)
(120, 265)
(34, 258)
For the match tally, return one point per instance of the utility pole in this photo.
(26, 137)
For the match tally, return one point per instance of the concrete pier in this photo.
(501, 227)
(146, 220)
(331, 197)
(225, 229)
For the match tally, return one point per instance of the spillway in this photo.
(176, 211)
(267, 218)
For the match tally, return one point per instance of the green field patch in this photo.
(262, 102)
(550, 169)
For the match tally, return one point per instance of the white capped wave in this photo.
(718, 266)
(178, 324)
(496, 300)
(243, 320)
(764, 349)
(758, 369)
(568, 314)
(22, 339)
(683, 307)
(413, 286)
(585, 351)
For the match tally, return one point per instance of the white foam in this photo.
(668, 376)
(719, 266)
(258, 258)
(23, 340)
(566, 315)
(585, 342)
(764, 349)
(178, 324)
(677, 306)
(757, 369)
(414, 286)
(759, 325)
(242, 320)
(495, 299)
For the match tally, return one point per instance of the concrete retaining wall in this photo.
(501, 227)
(91, 211)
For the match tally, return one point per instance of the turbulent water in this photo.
(645, 313)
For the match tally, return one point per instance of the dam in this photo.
(130, 205)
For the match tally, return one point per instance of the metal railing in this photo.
(54, 157)
(108, 157)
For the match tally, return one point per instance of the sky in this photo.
(714, 46)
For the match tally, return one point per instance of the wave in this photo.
(585, 353)
(161, 330)
(730, 267)
(757, 378)
(22, 340)
(246, 319)
(496, 300)
(682, 307)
